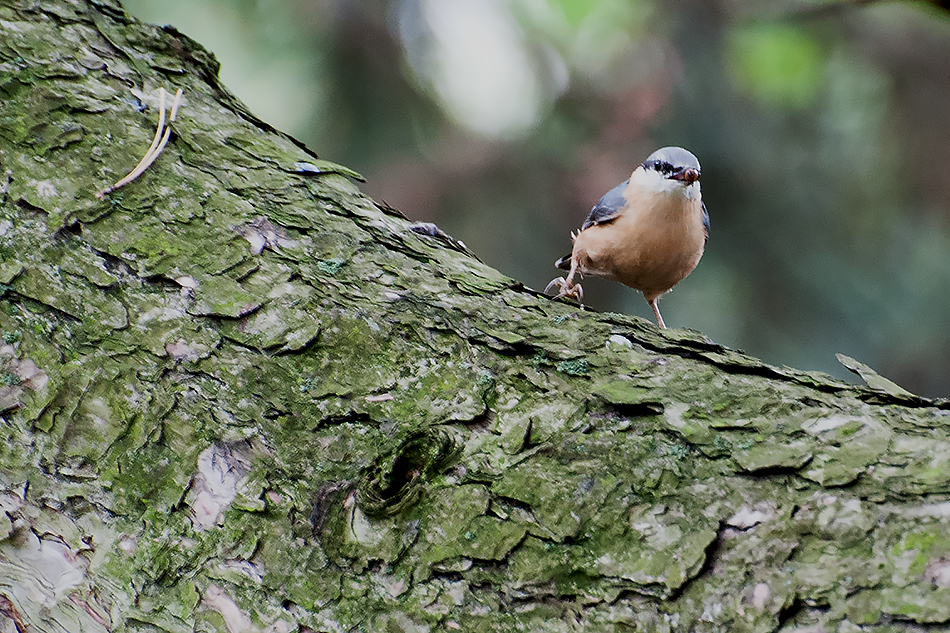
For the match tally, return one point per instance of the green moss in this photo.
(921, 541)
(12, 336)
(330, 267)
(576, 367)
(540, 359)
(8, 378)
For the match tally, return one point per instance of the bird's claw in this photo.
(557, 282)
(566, 289)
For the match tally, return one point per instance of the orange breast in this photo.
(651, 247)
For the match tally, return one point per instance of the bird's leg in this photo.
(577, 293)
(656, 311)
(567, 287)
(570, 289)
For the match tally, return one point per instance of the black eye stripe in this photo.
(661, 166)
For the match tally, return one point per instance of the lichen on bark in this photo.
(238, 394)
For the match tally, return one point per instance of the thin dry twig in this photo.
(158, 143)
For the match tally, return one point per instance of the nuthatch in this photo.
(647, 232)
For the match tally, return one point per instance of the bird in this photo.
(648, 232)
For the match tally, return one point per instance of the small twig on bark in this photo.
(158, 143)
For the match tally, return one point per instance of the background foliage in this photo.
(822, 129)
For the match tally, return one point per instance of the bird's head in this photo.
(672, 169)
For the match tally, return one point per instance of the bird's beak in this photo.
(688, 176)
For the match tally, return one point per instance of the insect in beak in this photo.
(688, 176)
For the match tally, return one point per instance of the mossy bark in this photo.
(238, 395)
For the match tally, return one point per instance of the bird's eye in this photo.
(658, 165)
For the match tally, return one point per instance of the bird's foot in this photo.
(557, 282)
(566, 289)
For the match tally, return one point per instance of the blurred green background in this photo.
(823, 130)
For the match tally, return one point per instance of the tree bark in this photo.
(238, 395)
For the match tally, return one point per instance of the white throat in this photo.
(653, 182)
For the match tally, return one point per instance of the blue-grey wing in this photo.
(608, 207)
(705, 220)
